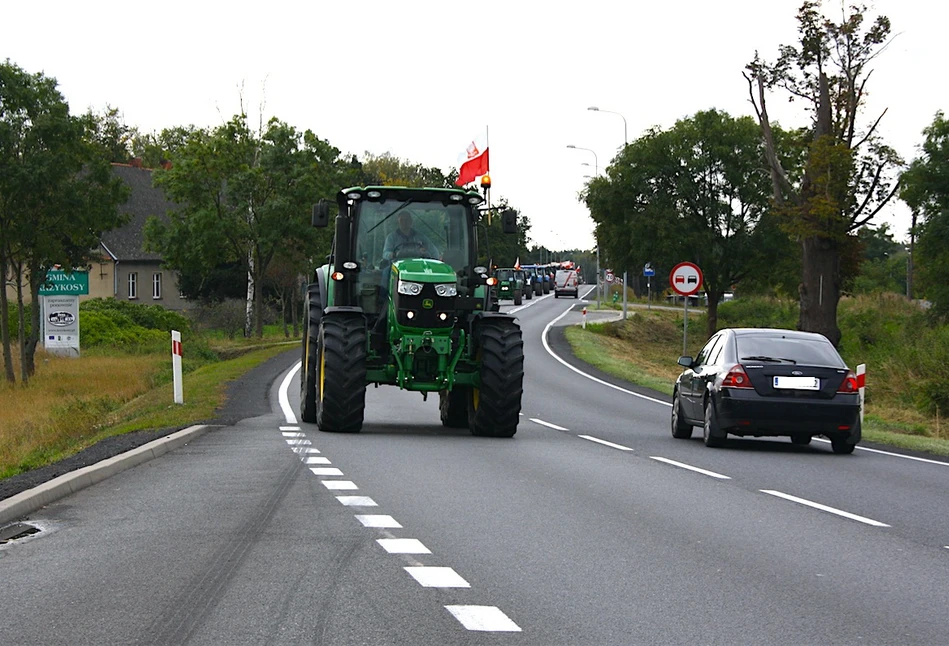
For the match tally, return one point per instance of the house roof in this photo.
(144, 201)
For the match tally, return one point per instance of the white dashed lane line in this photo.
(548, 424)
(681, 465)
(831, 510)
(604, 442)
(437, 577)
(357, 501)
(483, 618)
(326, 471)
(403, 546)
(378, 520)
(339, 485)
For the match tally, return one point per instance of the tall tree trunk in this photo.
(249, 308)
(820, 287)
(8, 371)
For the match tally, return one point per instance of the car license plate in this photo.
(797, 383)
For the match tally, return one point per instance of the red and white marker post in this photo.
(584, 317)
(176, 365)
(861, 387)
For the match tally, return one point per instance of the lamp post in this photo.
(625, 143)
(625, 137)
(596, 173)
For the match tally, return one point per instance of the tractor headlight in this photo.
(448, 289)
(410, 289)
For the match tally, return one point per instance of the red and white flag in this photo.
(473, 162)
(517, 263)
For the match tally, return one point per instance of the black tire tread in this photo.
(314, 309)
(341, 406)
(502, 379)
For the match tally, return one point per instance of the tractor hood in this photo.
(424, 270)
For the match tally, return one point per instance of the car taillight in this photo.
(849, 384)
(736, 378)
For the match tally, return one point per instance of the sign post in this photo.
(686, 280)
(648, 272)
(60, 302)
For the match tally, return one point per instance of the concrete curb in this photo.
(26, 502)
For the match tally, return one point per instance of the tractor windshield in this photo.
(392, 230)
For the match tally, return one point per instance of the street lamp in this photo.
(625, 137)
(625, 143)
(596, 161)
(596, 172)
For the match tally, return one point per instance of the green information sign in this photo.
(59, 283)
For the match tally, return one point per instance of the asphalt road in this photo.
(591, 526)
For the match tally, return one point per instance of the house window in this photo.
(133, 284)
(156, 285)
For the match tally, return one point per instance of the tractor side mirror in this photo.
(509, 221)
(320, 218)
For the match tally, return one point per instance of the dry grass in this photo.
(67, 401)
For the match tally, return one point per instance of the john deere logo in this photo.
(428, 303)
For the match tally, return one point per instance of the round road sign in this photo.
(686, 278)
(609, 276)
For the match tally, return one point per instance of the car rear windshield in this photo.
(814, 352)
(562, 276)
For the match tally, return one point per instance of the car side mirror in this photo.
(686, 361)
(320, 218)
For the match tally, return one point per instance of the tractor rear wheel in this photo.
(494, 407)
(341, 373)
(314, 309)
(453, 406)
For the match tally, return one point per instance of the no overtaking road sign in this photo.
(686, 278)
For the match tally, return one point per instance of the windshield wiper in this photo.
(771, 359)
(394, 211)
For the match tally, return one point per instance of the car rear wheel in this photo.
(680, 428)
(842, 446)
(711, 432)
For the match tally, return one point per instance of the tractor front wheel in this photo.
(341, 373)
(453, 406)
(494, 407)
(311, 333)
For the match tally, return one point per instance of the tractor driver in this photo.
(407, 242)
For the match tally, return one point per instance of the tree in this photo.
(387, 170)
(503, 249)
(925, 188)
(847, 175)
(244, 198)
(57, 196)
(695, 192)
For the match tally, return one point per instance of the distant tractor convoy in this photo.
(401, 302)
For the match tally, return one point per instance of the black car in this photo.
(767, 382)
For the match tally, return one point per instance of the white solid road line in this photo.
(604, 442)
(681, 465)
(832, 510)
(591, 377)
(282, 396)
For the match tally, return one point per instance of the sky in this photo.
(420, 80)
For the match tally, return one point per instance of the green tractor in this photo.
(401, 302)
(510, 285)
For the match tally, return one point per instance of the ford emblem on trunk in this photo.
(797, 373)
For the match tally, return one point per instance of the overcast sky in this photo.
(421, 79)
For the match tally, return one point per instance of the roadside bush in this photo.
(116, 330)
(758, 312)
(150, 317)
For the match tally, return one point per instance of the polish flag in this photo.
(473, 163)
